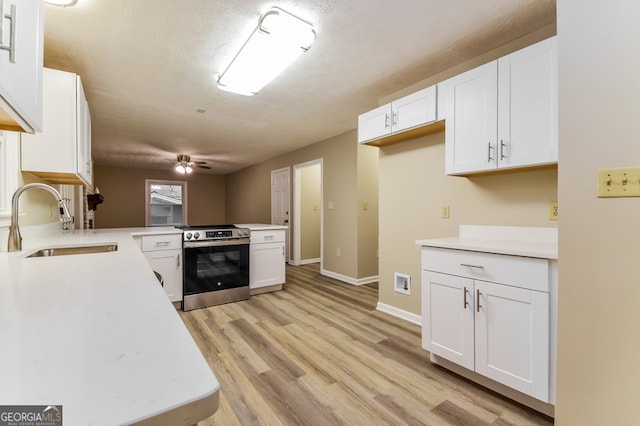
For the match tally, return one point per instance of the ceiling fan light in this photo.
(187, 169)
(275, 43)
(181, 169)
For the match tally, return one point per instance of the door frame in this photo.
(297, 188)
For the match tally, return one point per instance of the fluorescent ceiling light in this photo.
(277, 41)
(63, 3)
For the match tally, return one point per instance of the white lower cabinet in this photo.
(164, 254)
(267, 258)
(490, 314)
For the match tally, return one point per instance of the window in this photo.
(9, 168)
(166, 202)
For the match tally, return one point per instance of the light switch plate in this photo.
(445, 212)
(553, 210)
(619, 182)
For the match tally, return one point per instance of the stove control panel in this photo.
(215, 234)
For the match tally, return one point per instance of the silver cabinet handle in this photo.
(469, 265)
(489, 157)
(269, 237)
(178, 261)
(502, 145)
(465, 301)
(163, 243)
(394, 122)
(11, 47)
(478, 301)
(386, 121)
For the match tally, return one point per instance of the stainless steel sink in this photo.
(66, 251)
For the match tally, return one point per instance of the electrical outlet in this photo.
(445, 212)
(553, 210)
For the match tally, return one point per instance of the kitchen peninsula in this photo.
(97, 334)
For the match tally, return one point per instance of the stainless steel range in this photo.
(216, 265)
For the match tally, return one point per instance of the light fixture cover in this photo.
(277, 41)
(63, 3)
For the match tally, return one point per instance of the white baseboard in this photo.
(349, 280)
(308, 261)
(399, 313)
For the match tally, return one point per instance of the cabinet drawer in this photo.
(517, 271)
(161, 242)
(274, 236)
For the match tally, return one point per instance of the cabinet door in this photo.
(168, 263)
(414, 110)
(21, 80)
(471, 127)
(266, 265)
(512, 337)
(83, 132)
(527, 106)
(448, 317)
(374, 124)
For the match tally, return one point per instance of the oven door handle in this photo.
(216, 243)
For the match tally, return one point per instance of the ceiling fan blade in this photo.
(203, 167)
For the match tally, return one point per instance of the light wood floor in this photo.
(318, 353)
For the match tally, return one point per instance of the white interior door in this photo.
(280, 201)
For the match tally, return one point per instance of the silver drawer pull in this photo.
(469, 265)
(269, 237)
(163, 243)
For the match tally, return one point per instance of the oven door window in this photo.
(215, 268)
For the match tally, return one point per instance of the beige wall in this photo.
(124, 196)
(599, 238)
(414, 187)
(248, 197)
(310, 199)
(367, 211)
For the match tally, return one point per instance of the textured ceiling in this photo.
(148, 66)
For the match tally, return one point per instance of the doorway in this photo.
(307, 213)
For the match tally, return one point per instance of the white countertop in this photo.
(516, 241)
(97, 334)
(261, 226)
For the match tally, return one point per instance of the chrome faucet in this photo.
(14, 242)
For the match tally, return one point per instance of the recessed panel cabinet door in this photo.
(414, 110)
(512, 337)
(527, 106)
(471, 128)
(448, 317)
(168, 263)
(21, 71)
(374, 124)
(267, 264)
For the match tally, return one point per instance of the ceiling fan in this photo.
(184, 164)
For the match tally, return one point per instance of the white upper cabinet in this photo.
(504, 114)
(21, 65)
(409, 112)
(471, 125)
(528, 106)
(62, 152)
